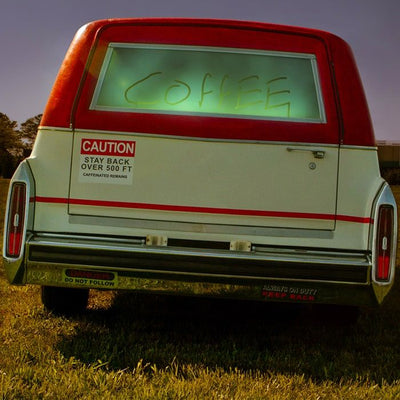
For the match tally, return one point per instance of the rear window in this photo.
(213, 81)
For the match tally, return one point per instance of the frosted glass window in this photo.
(209, 81)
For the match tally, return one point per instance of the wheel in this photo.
(64, 300)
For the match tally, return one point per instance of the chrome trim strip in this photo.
(354, 147)
(54, 128)
(200, 227)
(50, 238)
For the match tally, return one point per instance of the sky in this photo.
(35, 35)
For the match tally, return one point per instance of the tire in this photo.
(65, 301)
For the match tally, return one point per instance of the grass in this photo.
(146, 347)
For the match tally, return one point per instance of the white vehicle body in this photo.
(288, 216)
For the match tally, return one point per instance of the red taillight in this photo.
(384, 243)
(16, 220)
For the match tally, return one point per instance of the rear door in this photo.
(207, 133)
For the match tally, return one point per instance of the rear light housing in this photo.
(16, 220)
(384, 243)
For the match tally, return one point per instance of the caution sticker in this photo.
(100, 279)
(106, 161)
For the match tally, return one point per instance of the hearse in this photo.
(205, 158)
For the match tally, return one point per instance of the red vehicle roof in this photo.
(348, 117)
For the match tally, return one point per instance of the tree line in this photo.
(15, 142)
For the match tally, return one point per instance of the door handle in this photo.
(317, 153)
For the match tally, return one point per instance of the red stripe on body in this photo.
(207, 210)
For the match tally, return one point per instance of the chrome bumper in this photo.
(209, 269)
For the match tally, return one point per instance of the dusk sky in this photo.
(34, 36)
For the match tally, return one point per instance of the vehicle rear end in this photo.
(199, 157)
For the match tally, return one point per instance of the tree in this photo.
(15, 144)
(9, 146)
(27, 134)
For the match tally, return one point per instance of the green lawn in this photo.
(143, 347)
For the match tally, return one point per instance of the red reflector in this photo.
(104, 276)
(384, 243)
(16, 220)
